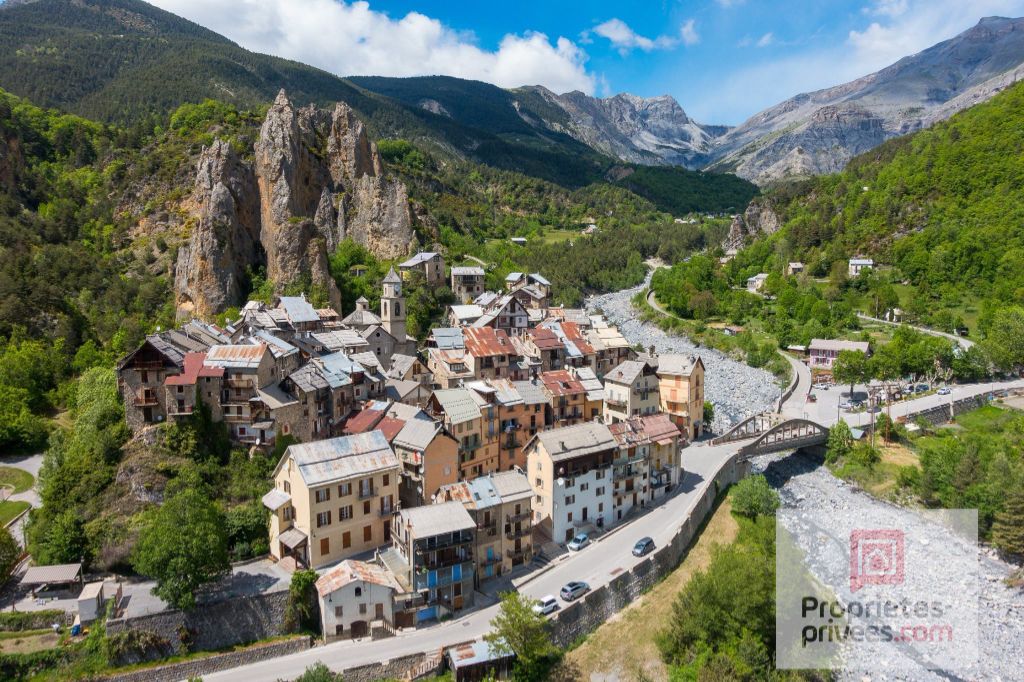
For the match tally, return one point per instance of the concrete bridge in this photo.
(772, 432)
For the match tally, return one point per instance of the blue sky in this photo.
(723, 60)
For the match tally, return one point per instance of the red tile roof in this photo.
(486, 341)
(545, 339)
(561, 382)
(194, 369)
(573, 332)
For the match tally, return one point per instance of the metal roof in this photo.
(676, 364)
(446, 338)
(511, 485)
(417, 434)
(279, 345)
(458, 404)
(276, 499)
(361, 318)
(545, 339)
(336, 459)
(340, 339)
(274, 397)
(58, 573)
(474, 653)
(400, 365)
(561, 382)
(537, 277)
(421, 257)
(466, 312)
(838, 344)
(236, 356)
(575, 441)
(350, 571)
(646, 429)
(437, 519)
(298, 309)
(464, 270)
(626, 372)
(532, 391)
(193, 369)
(486, 341)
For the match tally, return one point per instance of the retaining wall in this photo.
(215, 625)
(588, 613)
(396, 668)
(212, 664)
(940, 414)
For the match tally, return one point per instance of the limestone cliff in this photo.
(315, 179)
(759, 218)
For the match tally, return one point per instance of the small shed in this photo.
(475, 661)
(90, 602)
(58, 575)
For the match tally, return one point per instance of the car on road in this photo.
(846, 405)
(545, 605)
(945, 390)
(574, 590)
(811, 398)
(822, 386)
(579, 542)
(643, 546)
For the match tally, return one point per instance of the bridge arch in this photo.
(787, 435)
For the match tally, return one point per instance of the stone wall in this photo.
(396, 668)
(585, 615)
(940, 414)
(212, 664)
(216, 625)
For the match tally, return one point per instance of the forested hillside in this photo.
(941, 211)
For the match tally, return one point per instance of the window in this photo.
(367, 533)
(145, 377)
(600, 491)
(359, 591)
(346, 540)
(570, 499)
(323, 495)
(323, 519)
(325, 547)
(584, 487)
(600, 507)
(366, 507)
(387, 479)
(345, 513)
(569, 518)
(337, 612)
(288, 487)
(289, 513)
(362, 609)
(344, 489)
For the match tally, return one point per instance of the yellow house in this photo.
(333, 499)
(461, 414)
(681, 384)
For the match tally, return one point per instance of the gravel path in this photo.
(736, 390)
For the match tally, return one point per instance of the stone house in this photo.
(247, 368)
(545, 348)
(449, 367)
(467, 283)
(429, 263)
(631, 389)
(333, 499)
(197, 382)
(570, 471)
(356, 597)
(489, 352)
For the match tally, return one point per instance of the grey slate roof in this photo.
(468, 270)
(421, 257)
(393, 277)
(400, 365)
(531, 392)
(417, 434)
(578, 440)
(298, 309)
(676, 364)
(511, 485)
(436, 519)
(626, 372)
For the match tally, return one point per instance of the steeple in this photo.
(392, 306)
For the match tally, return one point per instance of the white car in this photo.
(545, 605)
(579, 542)
(846, 405)
(945, 390)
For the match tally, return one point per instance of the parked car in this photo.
(574, 590)
(945, 390)
(545, 605)
(822, 386)
(811, 398)
(846, 405)
(579, 542)
(921, 388)
(643, 546)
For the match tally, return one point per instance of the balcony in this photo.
(367, 493)
(522, 532)
(183, 411)
(442, 542)
(386, 512)
(517, 555)
(517, 518)
(488, 560)
(234, 382)
(615, 402)
(147, 399)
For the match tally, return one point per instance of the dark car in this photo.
(643, 546)
(574, 590)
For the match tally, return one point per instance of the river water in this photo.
(738, 391)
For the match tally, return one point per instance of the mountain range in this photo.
(125, 60)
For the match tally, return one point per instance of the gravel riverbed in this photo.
(736, 390)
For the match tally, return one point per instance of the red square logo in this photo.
(876, 558)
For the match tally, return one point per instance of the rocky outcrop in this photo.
(210, 274)
(758, 219)
(315, 179)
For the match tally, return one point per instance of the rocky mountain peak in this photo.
(288, 208)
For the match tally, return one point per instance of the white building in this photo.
(356, 596)
(630, 390)
(756, 283)
(858, 264)
(570, 471)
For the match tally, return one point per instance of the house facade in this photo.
(467, 283)
(631, 389)
(822, 353)
(681, 392)
(356, 598)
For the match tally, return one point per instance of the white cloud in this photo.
(625, 39)
(351, 38)
(894, 29)
(688, 33)
(766, 40)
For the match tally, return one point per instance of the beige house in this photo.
(630, 390)
(356, 598)
(500, 505)
(459, 410)
(333, 499)
(647, 462)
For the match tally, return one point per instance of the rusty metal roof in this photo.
(487, 341)
(247, 356)
(545, 339)
(561, 382)
(350, 571)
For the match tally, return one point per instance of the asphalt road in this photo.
(964, 343)
(597, 564)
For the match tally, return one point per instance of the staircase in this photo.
(428, 667)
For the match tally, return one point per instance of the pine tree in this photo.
(1008, 527)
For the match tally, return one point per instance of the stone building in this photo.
(356, 597)
(467, 283)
